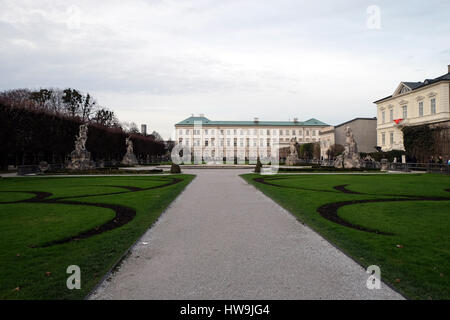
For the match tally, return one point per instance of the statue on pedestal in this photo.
(129, 158)
(292, 158)
(350, 157)
(80, 158)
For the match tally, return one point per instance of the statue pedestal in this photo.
(129, 159)
(348, 162)
(292, 160)
(80, 160)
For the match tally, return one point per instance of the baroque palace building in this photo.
(243, 139)
(412, 103)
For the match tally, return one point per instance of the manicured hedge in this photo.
(29, 136)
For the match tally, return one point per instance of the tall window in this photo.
(383, 117)
(420, 108)
(281, 132)
(433, 106)
(405, 112)
(206, 143)
(391, 115)
(391, 138)
(187, 131)
(383, 139)
(268, 132)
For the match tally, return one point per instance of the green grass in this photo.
(420, 267)
(24, 227)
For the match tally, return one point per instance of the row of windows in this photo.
(247, 132)
(405, 111)
(242, 142)
(391, 138)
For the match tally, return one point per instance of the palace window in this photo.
(268, 142)
(255, 132)
(420, 108)
(383, 139)
(212, 131)
(405, 112)
(383, 117)
(268, 132)
(206, 143)
(235, 142)
(228, 142)
(187, 131)
(433, 106)
(281, 132)
(186, 143)
(241, 141)
(228, 132)
(235, 132)
(391, 115)
(391, 138)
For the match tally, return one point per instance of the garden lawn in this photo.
(31, 270)
(415, 259)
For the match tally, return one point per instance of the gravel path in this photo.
(223, 239)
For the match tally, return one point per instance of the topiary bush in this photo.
(174, 168)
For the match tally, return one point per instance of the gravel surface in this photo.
(224, 239)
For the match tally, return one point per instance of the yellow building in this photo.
(412, 103)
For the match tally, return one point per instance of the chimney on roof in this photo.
(255, 120)
(144, 129)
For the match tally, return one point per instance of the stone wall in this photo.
(364, 131)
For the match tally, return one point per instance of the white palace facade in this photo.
(243, 139)
(412, 103)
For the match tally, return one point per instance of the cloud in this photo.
(159, 61)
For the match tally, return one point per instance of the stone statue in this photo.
(350, 157)
(80, 158)
(129, 158)
(292, 158)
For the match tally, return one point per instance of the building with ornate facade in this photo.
(411, 104)
(243, 139)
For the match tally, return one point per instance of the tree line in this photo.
(41, 126)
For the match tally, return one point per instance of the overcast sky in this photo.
(159, 61)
